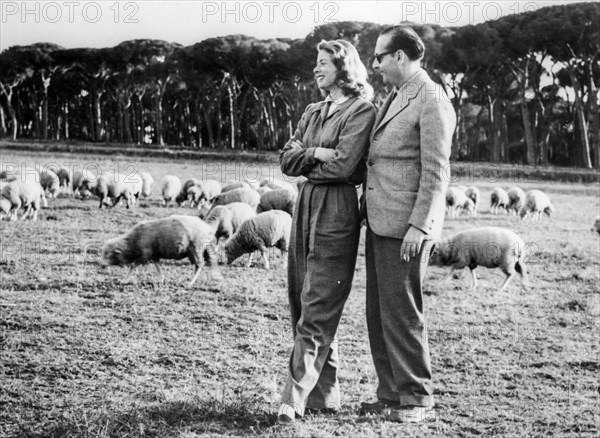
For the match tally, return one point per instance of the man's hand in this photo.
(411, 244)
(324, 154)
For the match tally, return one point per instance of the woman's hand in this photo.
(295, 144)
(324, 154)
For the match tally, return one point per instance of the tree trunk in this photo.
(531, 159)
(584, 145)
(3, 130)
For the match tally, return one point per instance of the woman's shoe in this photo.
(286, 415)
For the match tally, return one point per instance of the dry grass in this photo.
(82, 355)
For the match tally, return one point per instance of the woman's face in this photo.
(325, 71)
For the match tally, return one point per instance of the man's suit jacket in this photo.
(408, 167)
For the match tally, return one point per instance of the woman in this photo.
(328, 148)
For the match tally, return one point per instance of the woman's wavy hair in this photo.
(352, 73)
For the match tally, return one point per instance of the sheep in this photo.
(490, 247)
(226, 219)
(262, 190)
(498, 200)
(277, 185)
(147, 182)
(474, 195)
(535, 203)
(469, 207)
(50, 182)
(65, 179)
(16, 194)
(455, 200)
(110, 188)
(170, 187)
(281, 199)
(76, 183)
(246, 195)
(206, 191)
(182, 197)
(268, 229)
(174, 237)
(516, 197)
(232, 185)
(596, 226)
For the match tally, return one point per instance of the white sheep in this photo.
(170, 187)
(232, 185)
(65, 178)
(536, 202)
(498, 200)
(147, 182)
(276, 184)
(280, 199)
(174, 237)
(182, 197)
(455, 201)
(205, 192)
(474, 195)
(262, 190)
(50, 182)
(490, 247)
(226, 219)
(265, 230)
(516, 198)
(110, 188)
(16, 194)
(246, 195)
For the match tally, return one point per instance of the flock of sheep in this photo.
(514, 201)
(254, 217)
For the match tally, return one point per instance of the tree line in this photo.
(524, 87)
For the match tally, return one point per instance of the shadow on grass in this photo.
(165, 419)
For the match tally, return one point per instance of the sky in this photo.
(76, 23)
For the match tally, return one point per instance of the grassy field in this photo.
(82, 355)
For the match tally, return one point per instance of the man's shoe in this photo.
(380, 407)
(286, 415)
(411, 414)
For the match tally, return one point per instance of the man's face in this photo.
(387, 64)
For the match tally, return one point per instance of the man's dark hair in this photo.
(406, 39)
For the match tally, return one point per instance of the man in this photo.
(405, 201)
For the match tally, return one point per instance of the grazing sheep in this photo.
(469, 207)
(498, 200)
(226, 219)
(246, 195)
(147, 182)
(16, 194)
(596, 226)
(173, 237)
(516, 197)
(265, 230)
(490, 247)
(474, 195)
(110, 188)
(65, 179)
(232, 185)
(455, 200)
(278, 185)
(170, 187)
(76, 183)
(50, 182)
(281, 199)
(536, 202)
(182, 197)
(262, 190)
(207, 191)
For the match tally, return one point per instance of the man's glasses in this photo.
(379, 56)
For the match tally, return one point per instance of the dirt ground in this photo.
(83, 355)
